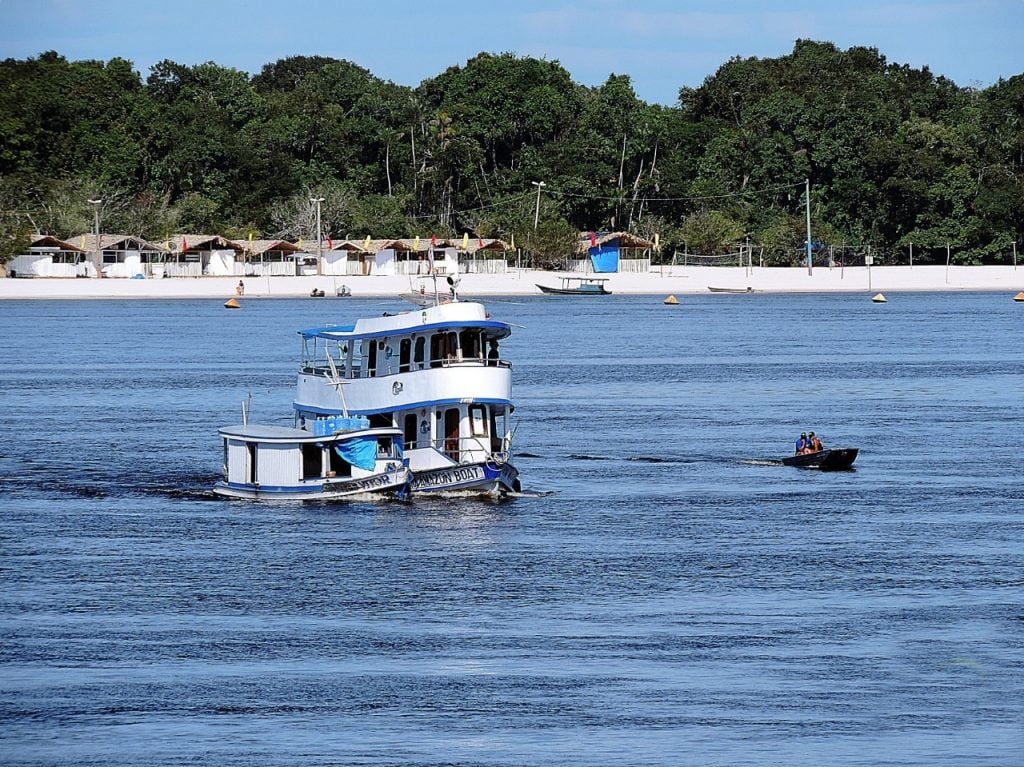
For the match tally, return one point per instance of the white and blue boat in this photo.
(344, 458)
(435, 375)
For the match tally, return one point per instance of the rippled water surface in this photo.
(666, 594)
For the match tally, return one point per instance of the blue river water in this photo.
(664, 593)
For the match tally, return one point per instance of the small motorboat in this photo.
(830, 459)
(578, 286)
(747, 289)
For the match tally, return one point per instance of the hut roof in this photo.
(48, 241)
(202, 242)
(258, 247)
(368, 245)
(87, 242)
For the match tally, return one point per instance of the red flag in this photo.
(480, 241)
(330, 244)
(433, 241)
(593, 240)
(184, 244)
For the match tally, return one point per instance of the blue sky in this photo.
(662, 45)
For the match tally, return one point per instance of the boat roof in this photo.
(349, 332)
(257, 432)
(587, 279)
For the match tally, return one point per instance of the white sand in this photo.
(677, 281)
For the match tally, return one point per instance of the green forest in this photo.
(896, 156)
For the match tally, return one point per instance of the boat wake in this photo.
(761, 462)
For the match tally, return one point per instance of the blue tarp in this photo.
(605, 258)
(360, 452)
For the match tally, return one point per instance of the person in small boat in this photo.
(813, 443)
(801, 444)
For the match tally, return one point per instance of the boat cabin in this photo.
(277, 459)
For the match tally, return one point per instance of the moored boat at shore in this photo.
(578, 286)
(434, 374)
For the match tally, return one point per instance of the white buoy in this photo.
(878, 298)
(1019, 296)
(671, 300)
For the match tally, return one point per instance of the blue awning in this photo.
(359, 451)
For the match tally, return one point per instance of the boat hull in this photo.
(384, 485)
(487, 478)
(731, 290)
(573, 291)
(832, 459)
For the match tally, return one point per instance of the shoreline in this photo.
(678, 280)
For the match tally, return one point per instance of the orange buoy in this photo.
(232, 304)
(671, 300)
(1019, 296)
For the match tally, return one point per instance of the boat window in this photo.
(409, 430)
(312, 461)
(471, 345)
(438, 349)
(251, 448)
(451, 433)
(478, 420)
(404, 352)
(371, 362)
(421, 343)
(499, 429)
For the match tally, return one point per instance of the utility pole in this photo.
(98, 257)
(536, 213)
(319, 237)
(807, 185)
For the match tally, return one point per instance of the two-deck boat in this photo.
(342, 458)
(579, 286)
(434, 374)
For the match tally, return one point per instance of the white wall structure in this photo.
(221, 263)
(335, 262)
(384, 262)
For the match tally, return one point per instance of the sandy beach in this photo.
(678, 281)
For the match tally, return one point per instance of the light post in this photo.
(807, 184)
(96, 232)
(319, 237)
(536, 213)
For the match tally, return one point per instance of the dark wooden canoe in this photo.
(832, 459)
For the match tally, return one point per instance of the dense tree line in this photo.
(894, 154)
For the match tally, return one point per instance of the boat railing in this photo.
(458, 448)
(356, 371)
